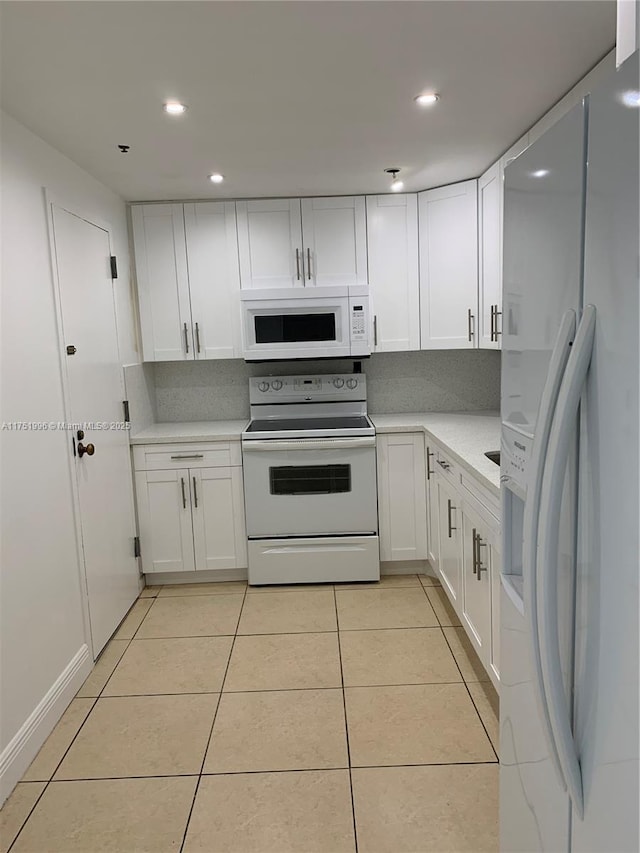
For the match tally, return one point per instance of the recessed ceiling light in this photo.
(174, 108)
(631, 98)
(216, 178)
(540, 173)
(427, 99)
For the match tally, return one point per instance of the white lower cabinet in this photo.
(402, 506)
(476, 606)
(433, 516)
(190, 519)
(450, 533)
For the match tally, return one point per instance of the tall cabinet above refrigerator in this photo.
(569, 713)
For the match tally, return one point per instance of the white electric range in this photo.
(309, 460)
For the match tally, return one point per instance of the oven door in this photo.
(310, 487)
(316, 327)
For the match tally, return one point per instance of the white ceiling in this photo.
(291, 98)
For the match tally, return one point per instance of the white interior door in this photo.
(95, 394)
(214, 279)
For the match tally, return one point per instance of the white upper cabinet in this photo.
(334, 235)
(392, 239)
(270, 243)
(490, 257)
(163, 284)
(214, 281)
(448, 224)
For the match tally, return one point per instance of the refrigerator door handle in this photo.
(546, 411)
(550, 506)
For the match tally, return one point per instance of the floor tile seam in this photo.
(336, 687)
(196, 595)
(346, 727)
(104, 687)
(213, 722)
(28, 817)
(392, 628)
(470, 696)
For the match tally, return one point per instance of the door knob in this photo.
(89, 449)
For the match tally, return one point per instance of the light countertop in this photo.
(189, 431)
(467, 435)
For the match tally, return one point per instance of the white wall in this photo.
(41, 610)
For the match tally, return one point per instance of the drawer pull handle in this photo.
(450, 507)
(189, 456)
(444, 465)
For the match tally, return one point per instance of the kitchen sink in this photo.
(493, 455)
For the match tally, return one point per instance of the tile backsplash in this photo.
(424, 381)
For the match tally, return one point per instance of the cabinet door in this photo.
(163, 284)
(490, 257)
(214, 278)
(433, 516)
(450, 526)
(448, 224)
(164, 516)
(334, 234)
(402, 509)
(218, 518)
(392, 241)
(270, 243)
(476, 611)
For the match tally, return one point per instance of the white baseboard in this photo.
(206, 576)
(24, 746)
(406, 567)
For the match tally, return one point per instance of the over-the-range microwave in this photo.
(328, 322)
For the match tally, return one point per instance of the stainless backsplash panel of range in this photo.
(423, 381)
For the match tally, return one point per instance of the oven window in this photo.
(293, 328)
(310, 479)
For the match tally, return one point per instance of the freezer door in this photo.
(542, 260)
(607, 637)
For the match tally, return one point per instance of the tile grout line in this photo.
(73, 740)
(213, 722)
(346, 724)
(470, 695)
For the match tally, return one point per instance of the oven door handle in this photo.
(308, 444)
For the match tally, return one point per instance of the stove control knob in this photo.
(352, 383)
(276, 384)
(263, 386)
(337, 382)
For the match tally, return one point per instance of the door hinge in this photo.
(136, 546)
(125, 406)
(114, 266)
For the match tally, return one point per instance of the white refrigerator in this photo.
(569, 711)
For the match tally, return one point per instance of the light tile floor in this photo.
(274, 720)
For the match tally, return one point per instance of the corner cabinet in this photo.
(310, 242)
(190, 507)
(448, 227)
(186, 259)
(402, 506)
(392, 235)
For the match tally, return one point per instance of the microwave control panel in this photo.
(358, 321)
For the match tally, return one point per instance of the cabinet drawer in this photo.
(215, 454)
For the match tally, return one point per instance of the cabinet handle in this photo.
(470, 324)
(475, 551)
(186, 339)
(309, 264)
(184, 494)
(481, 568)
(498, 314)
(298, 264)
(429, 471)
(444, 465)
(198, 337)
(189, 456)
(493, 317)
(450, 507)
(195, 494)
(375, 330)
